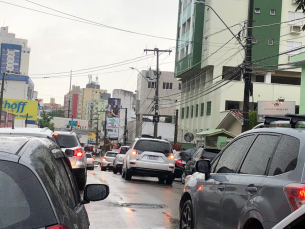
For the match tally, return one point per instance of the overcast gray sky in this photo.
(59, 45)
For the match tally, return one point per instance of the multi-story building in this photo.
(14, 54)
(209, 58)
(127, 101)
(71, 102)
(95, 113)
(51, 105)
(169, 90)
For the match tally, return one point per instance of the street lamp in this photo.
(204, 4)
(139, 72)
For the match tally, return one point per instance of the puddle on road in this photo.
(139, 205)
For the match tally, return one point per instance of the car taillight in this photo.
(104, 159)
(59, 226)
(296, 195)
(78, 152)
(134, 152)
(171, 167)
(55, 134)
(179, 162)
(119, 150)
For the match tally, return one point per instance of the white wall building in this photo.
(211, 90)
(127, 101)
(15, 53)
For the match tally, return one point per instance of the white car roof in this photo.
(152, 139)
(65, 132)
(45, 131)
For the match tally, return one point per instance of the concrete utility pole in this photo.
(1, 97)
(125, 127)
(70, 94)
(156, 116)
(176, 128)
(248, 65)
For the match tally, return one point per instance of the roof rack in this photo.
(293, 119)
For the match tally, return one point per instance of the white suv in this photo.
(149, 157)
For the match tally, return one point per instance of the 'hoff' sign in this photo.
(22, 109)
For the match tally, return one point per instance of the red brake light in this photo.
(296, 195)
(179, 162)
(55, 134)
(78, 152)
(59, 226)
(104, 159)
(119, 150)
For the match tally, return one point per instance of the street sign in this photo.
(73, 123)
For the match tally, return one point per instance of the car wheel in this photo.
(81, 178)
(161, 180)
(186, 217)
(170, 180)
(123, 174)
(128, 174)
(183, 178)
(103, 168)
(115, 171)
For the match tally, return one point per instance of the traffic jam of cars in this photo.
(255, 181)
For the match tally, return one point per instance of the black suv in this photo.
(37, 187)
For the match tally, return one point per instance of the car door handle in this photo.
(252, 189)
(221, 187)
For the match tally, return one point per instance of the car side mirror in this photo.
(95, 192)
(69, 152)
(204, 166)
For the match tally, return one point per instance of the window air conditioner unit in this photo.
(295, 29)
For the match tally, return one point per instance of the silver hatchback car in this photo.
(255, 182)
(69, 140)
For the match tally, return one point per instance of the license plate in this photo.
(152, 157)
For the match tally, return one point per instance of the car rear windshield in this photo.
(23, 202)
(124, 150)
(88, 155)
(88, 149)
(110, 154)
(153, 146)
(67, 141)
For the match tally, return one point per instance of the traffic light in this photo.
(78, 124)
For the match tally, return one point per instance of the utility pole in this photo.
(1, 97)
(176, 127)
(96, 138)
(156, 116)
(125, 127)
(248, 70)
(70, 94)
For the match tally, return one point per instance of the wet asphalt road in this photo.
(140, 203)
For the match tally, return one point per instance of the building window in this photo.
(167, 85)
(271, 42)
(179, 86)
(257, 10)
(293, 47)
(152, 84)
(209, 108)
(202, 109)
(272, 12)
(196, 112)
(187, 112)
(182, 113)
(232, 105)
(295, 18)
(192, 111)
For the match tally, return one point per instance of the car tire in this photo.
(120, 170)
(81, 178)
(115, 171)
(128, 174)
(170, 180)
(186, 217)
(103, 168)
(123, 174)
(183, 178)
(161, 180)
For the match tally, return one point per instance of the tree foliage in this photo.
(57, 113)
(45, 121)
(253, 119)
(301, 6)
